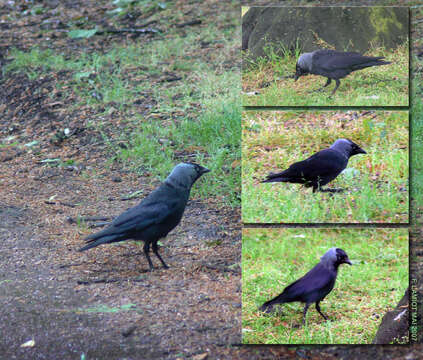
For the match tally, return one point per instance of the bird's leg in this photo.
(155, 250)
(305, 312)
(318, 309)
(336, 87)
(329, 80)
(327, 83)
(146, 253)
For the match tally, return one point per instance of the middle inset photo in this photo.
(325, 166)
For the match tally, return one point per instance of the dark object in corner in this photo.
(394, 325)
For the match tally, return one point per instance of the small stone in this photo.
(128, 331)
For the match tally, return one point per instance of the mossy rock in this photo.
(341, 28)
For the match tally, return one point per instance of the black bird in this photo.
(334, 65)
(313, 286)
(320, 168)
(155, 216)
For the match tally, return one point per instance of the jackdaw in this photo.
(334, 65)
(320, 168)
(155, 216)
(313, 286)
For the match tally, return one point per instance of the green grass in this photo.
(194, 119)
(376, 184)
(107, 309)
(363, 293)
(377, 86)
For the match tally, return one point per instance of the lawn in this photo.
(363, 293)
(267, 82)
(375, 184)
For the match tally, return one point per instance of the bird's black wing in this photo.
(314, 281)
(138, 218)
(334, 60)
(325, 163)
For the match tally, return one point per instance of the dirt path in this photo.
(196, 302)
(104, 303)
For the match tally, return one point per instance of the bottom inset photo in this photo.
(323, 286)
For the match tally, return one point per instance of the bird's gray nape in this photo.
(329, 258)
(182, 176)
(343, 146)
(305, 61)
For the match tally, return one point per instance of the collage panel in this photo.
(359, 58)
(354, 275)
(325, 166)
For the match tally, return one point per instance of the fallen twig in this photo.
(170, 79)
(220, 268)
(100, 224)
(87, 218)
(118, 31)
(188, 23)
(64, 266)
(109, 281)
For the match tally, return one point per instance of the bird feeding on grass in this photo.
(314, 286)
(320, 168)
(334, 65)
(155, 216)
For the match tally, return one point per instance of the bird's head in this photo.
(185, 174)
(303, 66)
(347, 147)
(342, 257)
(299, 72)
(334, 257)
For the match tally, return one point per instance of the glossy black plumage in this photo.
(155, 216)
(320, 168)
(334, 65)
(314, 286)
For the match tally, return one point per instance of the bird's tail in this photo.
(379, 61)
(268, 305)
(376, 61)
(93, 242)
(275, 177)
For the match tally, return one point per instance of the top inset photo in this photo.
(325, 56)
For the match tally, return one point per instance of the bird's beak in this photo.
(361, 151)
(204, 170)
(296, 77)
(347, 261)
